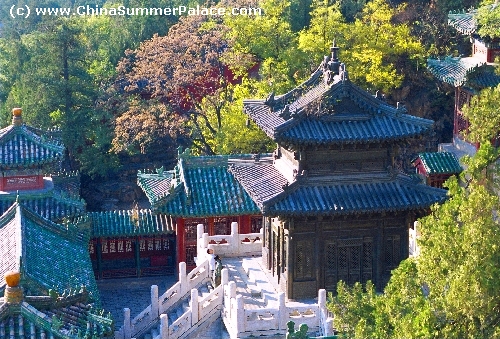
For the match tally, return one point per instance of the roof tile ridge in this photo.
(42, 139)
(288, 189)
(67, 230)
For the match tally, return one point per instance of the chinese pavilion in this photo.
(468, 75)
(437, 167)
(335, 206)
(201, 190)
(27, 155)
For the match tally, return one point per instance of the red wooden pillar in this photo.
(181, 241)
(244, 224)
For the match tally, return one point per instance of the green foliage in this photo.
(488, 18)
(372, 46)
(269, 39)
(459, 262)
(354, 309)
(451, 290)
(237, 134)
(484, 115)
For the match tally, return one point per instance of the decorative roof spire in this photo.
(334, 63)
(17, 118)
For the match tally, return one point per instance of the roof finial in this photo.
(17, 118)
(334, 63)
(13, 293)
(334, 49)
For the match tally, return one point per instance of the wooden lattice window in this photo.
(349, 260)
(304, 252)
(190, 254)
(255, 224)
(191, 227)
(330, 265)
(463, 99)
(367, 259)
(222, 226)
(392, 252)
(285, 249)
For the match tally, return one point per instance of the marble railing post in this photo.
(164, 326)
(224, 277)
(127, 331)
(282, 311)
(322, 299)
(154, 302)
(329, 327)
(240, 314)
(235, 241)
(194, 306)
(183, 277)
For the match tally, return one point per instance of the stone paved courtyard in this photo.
(133, 293)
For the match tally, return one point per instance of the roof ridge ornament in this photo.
(331, 64)
(17, 116)
(270, 101)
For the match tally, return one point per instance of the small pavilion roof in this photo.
(130, 223)
(24, 146)
(48, 255)
(329, 109)
(36, 317)
(334, 195)
(198, 187)
(440, 163)
(50, 203)
(464, 21)
(469, 71)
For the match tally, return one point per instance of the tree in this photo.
(488, 18)
(180, 70)
(373, 46)
(54, 87)
(484, 115)
(269, 39)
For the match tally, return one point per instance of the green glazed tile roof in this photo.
(156, 186)
(463, 21)
(53, 256)
(458, 71)
(199, 187)
(130, 223)
(333, 195)
(27, 320)
(50, 204)
(329, 109)
(354, 198)
(20, 146)
(440, 163)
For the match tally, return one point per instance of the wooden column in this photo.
(137, 252)
(99, 258)
(378, 246)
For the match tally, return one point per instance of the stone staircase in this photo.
(189, 306)
(176, 311)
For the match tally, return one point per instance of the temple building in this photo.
(335, 206)
(30, 172)
(201, 190)
(469, 75)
